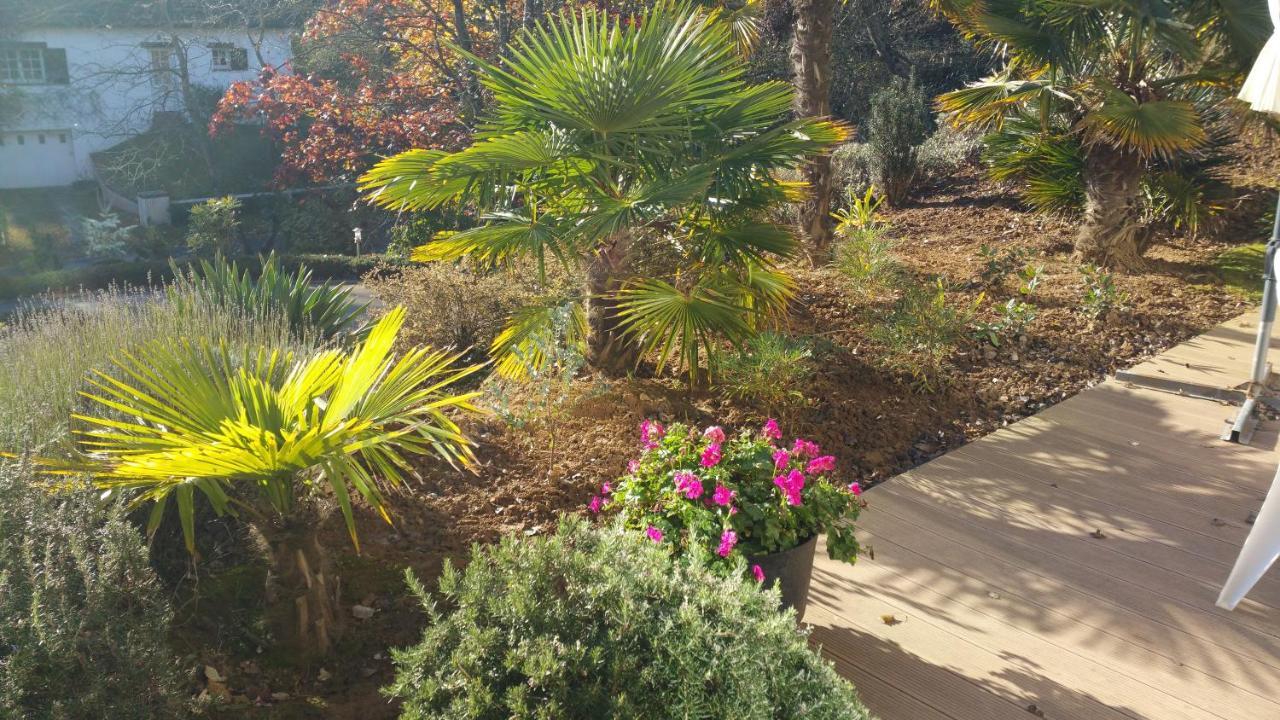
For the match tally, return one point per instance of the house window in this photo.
(229, 57)
(161, 66)
(22, 65)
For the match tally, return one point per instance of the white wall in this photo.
(111, 95)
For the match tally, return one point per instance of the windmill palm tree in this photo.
(1109, 89)
(276, 440)
(609, 137)
(811, 72)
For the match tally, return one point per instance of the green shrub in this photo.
(947, 150)
(767, 372)
(324, 309)
(1101, 296)
(999, 263)
(895, 128)
(851, 168)
(604, 624)
(213, 228)
(155, 242)
(1012, 322)
(83, 620)
(866, 258)
(453, 305)
(921, 333)
(106, 238)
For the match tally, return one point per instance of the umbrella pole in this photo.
(1241, 430)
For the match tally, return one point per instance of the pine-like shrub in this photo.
(597, 623)
(895, 127)
(83, 620)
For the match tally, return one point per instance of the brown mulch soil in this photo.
(866, 415)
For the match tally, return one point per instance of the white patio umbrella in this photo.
(1261, 548)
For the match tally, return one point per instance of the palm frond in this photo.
(258, 427)
(666, 320)
(1158, 127)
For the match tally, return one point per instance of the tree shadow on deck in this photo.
(1097, 534)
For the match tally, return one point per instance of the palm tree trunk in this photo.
(1113, 233)
(303, 609)
(811, 68)
(608, 349)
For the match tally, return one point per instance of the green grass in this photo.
(34, 234)
(1241, 268)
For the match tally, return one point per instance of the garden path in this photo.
(1066, 567)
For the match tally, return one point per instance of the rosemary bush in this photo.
(598, 623)
(83, 620)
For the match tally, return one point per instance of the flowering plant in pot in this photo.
(743, 502)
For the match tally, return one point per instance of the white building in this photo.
(81, 90)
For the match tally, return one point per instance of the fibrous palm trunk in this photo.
(811, 68)
(302, 589)
(609, 350)
(1112, 233)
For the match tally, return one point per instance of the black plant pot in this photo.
(791, 570)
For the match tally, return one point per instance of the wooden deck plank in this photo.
(939, 629)
(1116, 622)
(1221, 357)
(980, 597)
(986, 553)
(1048, 550)
(1014, 501)
(855, 641)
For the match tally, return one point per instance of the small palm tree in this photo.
(607, 138)
(1094, 94)
(276, 440)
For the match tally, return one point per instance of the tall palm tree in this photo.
(611, 137)
(1111, 88)
(811, 74)
(276, 440)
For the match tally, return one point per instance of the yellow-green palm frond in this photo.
(689, 323)
(254, 429)
(987, 103)
(1155, 128)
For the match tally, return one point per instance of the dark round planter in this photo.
(791, 570)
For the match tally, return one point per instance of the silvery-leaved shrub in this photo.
(83, 620)
(600, 623)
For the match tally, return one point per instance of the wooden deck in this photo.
(1066, 567)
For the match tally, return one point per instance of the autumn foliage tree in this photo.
(373, 78)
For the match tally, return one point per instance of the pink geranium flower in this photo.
(728, 539)
(688, 484)
(651, 432)
(791, 484)
(855, 488)
(805, 448)
(711, 456)
(781, 458)
(595, 504)
(654, 534)
(722, 495)
(758, 572)
(715, 434)
(771, 431)
(633, 466)
(819, 465)
(606, 489)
